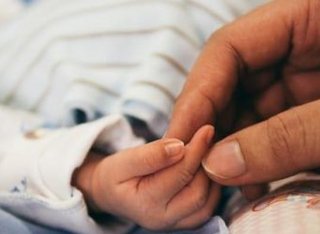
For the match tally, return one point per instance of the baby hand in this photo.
(159, 185)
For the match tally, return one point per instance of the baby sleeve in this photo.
(36, 168)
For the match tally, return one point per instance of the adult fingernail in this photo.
(174, 147)
(225, 161)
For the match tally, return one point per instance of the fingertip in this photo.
(205, 134)
(210, 133)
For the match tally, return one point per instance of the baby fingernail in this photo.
(225, 161)
(174, 147)
(210, 135)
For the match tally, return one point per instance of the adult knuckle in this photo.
(307, 18)
(278, 136)
(286, 136)
(303, 144)
(206, 94)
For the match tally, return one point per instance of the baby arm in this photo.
(159, 185)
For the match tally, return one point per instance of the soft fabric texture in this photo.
(10, 224)
(105, 56)
(38, 172)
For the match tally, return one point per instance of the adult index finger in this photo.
(255, 41)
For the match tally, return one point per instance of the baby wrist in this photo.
(83, 179)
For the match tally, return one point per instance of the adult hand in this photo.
(253, 69)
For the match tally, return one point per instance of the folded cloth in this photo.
(11, 224)
(102, 57)
(39, 190)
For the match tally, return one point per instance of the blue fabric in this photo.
(10, 224)
(28, 3)
(214, 226)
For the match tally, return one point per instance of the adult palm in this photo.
(264, 63)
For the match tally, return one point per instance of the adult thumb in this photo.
(276, 148)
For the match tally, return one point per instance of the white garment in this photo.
(103, 57)
(9, 9)
(36, 175)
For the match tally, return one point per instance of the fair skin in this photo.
(156, 186)
(258, 79)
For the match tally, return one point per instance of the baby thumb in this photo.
(276, 148)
